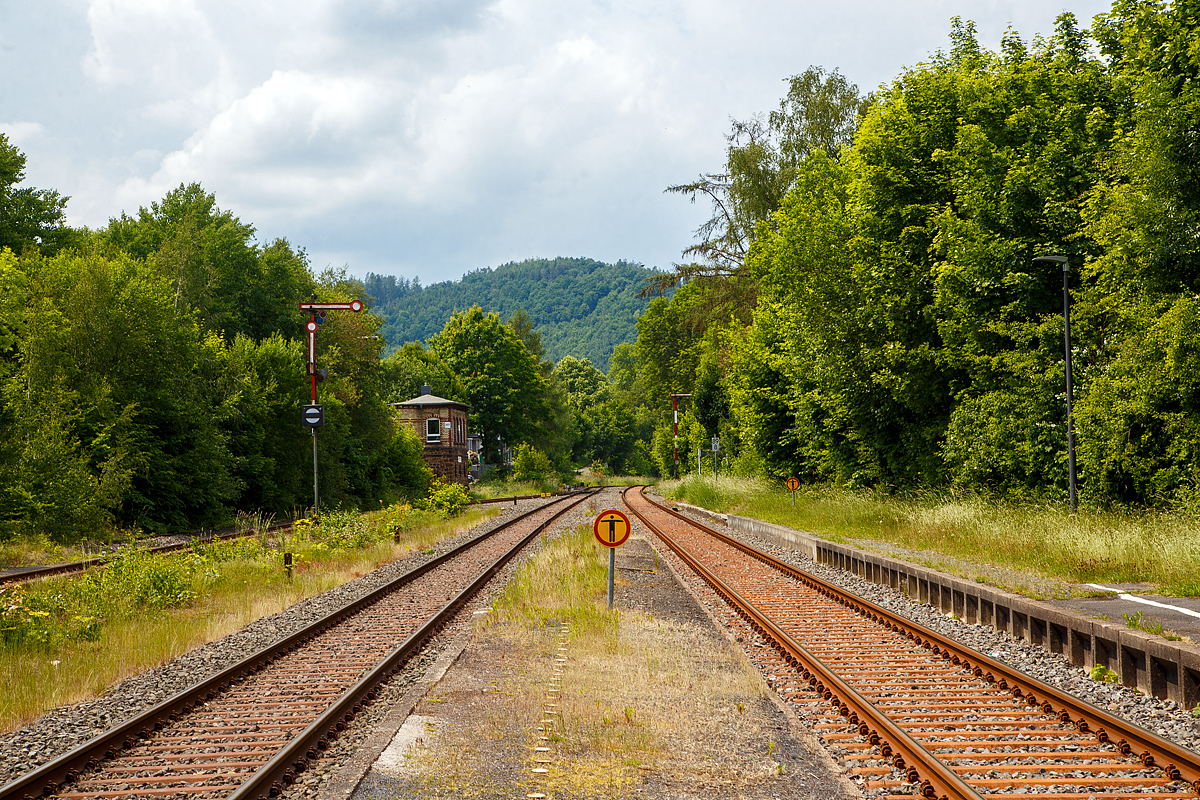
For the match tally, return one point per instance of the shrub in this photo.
(448, 499)
(531, 464)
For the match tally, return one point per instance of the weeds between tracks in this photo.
(642, 698)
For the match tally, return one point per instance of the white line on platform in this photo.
(1136, 599)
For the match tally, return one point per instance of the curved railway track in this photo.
(249, 730)
(911, 711)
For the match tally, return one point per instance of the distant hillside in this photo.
(582, 308)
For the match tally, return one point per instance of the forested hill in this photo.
(581, 307)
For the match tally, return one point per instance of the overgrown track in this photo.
(26, 574)
(250, 729)
(915, 711)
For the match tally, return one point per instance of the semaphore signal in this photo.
(313, 416)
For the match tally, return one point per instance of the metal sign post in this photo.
(793, 484)
(314, 415)
(716, 447)
(611, 529)
(1073, 493)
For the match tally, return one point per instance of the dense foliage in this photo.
(152, 376)
(895, 330)
(581, 307)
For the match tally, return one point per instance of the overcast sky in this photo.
(427, 138)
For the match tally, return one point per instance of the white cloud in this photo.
(20, 133)
(434, 136)
(164, 53)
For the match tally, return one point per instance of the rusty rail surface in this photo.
(269, 754)
(896, 686)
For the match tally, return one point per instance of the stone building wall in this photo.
(448, 455)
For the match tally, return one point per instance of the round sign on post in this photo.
(793, 484)
(611, 528)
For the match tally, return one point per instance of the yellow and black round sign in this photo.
(612, 528)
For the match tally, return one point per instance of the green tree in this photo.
(502, 381)
(820, 112)
(531, 464)
(214, 266)
(28, 217)
(906, 269)
(413, 366)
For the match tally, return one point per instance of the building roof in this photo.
(431, 400)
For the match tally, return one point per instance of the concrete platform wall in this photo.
(1168, 670)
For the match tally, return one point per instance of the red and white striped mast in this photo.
(675, 409)
(314, 414)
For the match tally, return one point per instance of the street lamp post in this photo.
(1066, 271)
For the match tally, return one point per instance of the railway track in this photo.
(26, 574)
(910, 711)
(249, 730)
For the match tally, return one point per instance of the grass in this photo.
(67, 639)
(1151, 625)
(1088, 547)
(635, 691)
(486, 490)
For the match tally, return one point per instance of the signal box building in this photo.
(441, 425)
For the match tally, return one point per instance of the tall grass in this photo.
(566, 582)
(66, 639)
(1087, 547)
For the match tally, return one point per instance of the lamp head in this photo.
(1055, 259)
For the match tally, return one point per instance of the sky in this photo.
(429, 138)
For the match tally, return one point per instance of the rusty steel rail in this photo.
(1153, 751)
(893, 741)
(282, 768)
(515, 498)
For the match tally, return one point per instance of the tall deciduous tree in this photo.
(820, 112)
(214, 265)
(503, 383)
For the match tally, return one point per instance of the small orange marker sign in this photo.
(612, 528)
(793, 484)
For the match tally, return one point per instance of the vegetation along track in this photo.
(27, 574)
(250, 729)
(915, 711)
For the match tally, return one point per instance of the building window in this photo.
(433, 430)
